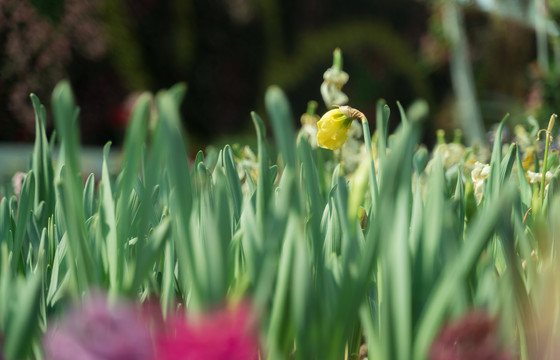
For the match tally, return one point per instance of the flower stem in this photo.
(440, 134)
(548, 138)
(337, 59)
(311, 107)
(372, 177)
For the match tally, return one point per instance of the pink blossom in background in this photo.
(97, 331)
(474, 336)
(227, 334)
(17, 182)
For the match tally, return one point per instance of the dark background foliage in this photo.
(229, 51)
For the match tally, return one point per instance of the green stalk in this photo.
(311, 108)
(548, 138)
(372, 177)
(337, 59)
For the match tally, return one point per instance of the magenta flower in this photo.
(474, 336)
(98, 331)
(227, 334)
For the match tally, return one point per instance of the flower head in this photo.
(229, 333)
(309, 124)
(479, 174)
(474, 336)
(334, 125)
(96, 330)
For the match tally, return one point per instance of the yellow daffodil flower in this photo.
(334, 125)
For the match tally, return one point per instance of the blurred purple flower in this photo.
(99, 331)
(228, 334)
(474, 336)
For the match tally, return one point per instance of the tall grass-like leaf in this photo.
(520, 278)
(65, 114)
(133, 145)
(302, 298)
(234, 185)
(314, 198)
(382, 121)
(460, 205)
(55, 283)
(507, 164)
(253, 244)
(416, 219)
(114, 245)
(5, 222)
(152, 249)
(89, 196)
(24, 321)
(375, 350)
(216, 240)
(433, 226)
(279, 333)
(265, 185)
(399, 279)
(42, 161)
(24, 210)
(182, 200)
(454, 272)
(395, 266)
(355, 286)
(402, 113)
(348, 241)
(168, 278)
(494, 179)
(282, 121)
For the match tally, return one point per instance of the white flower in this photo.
(534, 177)
(333, 81)
(478, 175)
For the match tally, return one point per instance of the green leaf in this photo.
(181, 201)
(234, 185)
(133, 144)
(282, 121)
(148, 251)
(25, 207)
(42, 160)
(265, 186)
(54, 284)
(114, 245)
(70, 185)
(89, 196)
(5, 224)
(455, 271)
(314, 198)
(383, 114)
(24, 322)
(494, 179)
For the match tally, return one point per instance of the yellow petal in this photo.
(333, 129)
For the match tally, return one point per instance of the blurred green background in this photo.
(472, 61)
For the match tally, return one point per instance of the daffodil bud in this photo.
(334, 125)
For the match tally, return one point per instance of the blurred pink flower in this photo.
(474, 336)
(99, 331)
(17, 182)
(227, 334)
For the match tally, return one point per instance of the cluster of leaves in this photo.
(293, 237)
